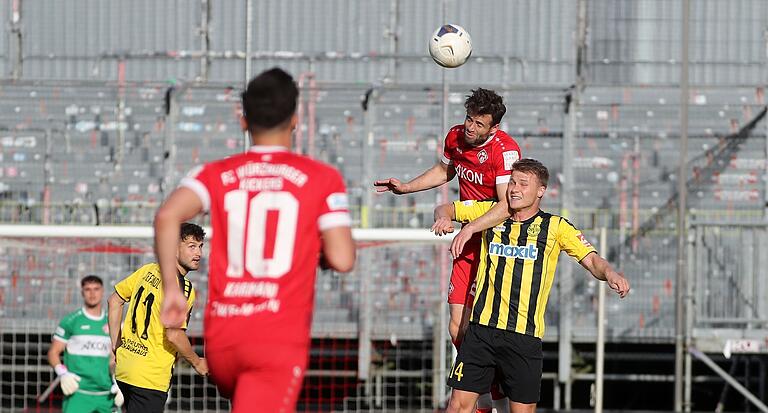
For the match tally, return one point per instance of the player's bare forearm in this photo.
(497, 214)
(603, 271)
(443, 219)
(181, 205)
(339, 249)
(596, 265)
(447, 211)
(433, 177)
(114, 318)
(178, 338)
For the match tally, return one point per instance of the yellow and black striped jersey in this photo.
(145, 358)
(517, 267)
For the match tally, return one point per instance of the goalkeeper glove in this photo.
(119, 399)
(68, 381)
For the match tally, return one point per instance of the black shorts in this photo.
(514, 359)
(141, 400)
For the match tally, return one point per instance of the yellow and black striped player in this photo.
(146, 351)
(514, 279)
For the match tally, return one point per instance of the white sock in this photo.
(501, 405)
(484, 401)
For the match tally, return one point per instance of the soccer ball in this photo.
(450, 46)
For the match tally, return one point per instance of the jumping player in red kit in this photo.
(481, 155)
(273, 213)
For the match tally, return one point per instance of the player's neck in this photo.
(524, 213)
(94, 311)
(272, 137)
(181, 270)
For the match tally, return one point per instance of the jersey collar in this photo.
(487, 141)
(267, 148)
(89, 316)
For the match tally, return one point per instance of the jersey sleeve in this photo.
(63, 330)
(199, 181)
(334, 208)
(124, 288)
(572, 241)
(447, 149)
(502, 164)
(471, 210)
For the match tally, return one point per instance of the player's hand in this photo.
(460, 240)
(391, 184)
(119, 399)
(617, 282)
(174, 310)
(442, 226)
(201, 367)
(69, 383)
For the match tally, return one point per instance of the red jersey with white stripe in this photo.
(480, 168)
(268, 207)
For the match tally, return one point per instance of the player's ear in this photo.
(494, 129)
(243, 123)
(294, 121)
(540, 192)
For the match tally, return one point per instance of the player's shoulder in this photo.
(454, 133)
(504, 138)
(152, 267)
(70, 317)
(559, 221)
(317, 168)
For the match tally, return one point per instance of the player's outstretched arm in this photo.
(114, 318)
(433, 177)
(178, 338)
(603, 271)
(444, 216)
(183, 204)
(339, 248)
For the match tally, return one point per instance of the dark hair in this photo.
(91, 279)
(485, 102)
(529, 165)
(189, 229)
(270, 99)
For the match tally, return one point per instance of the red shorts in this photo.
(259, 377)
(461, 290)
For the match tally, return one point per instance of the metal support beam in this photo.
(729, 379)
(600, 345)
(682, 174)
(248, 46)
(17, 49)
(205, 39)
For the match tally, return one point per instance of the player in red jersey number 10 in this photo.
(273, 212)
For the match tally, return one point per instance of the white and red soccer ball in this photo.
(450, 46)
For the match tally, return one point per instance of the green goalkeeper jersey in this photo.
(88, 348)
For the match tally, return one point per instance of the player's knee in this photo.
(458, 405)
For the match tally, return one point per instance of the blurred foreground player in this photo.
(272, 213)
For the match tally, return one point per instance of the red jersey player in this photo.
(272, 213)
(481, 155)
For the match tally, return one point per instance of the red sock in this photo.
(484, 410)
